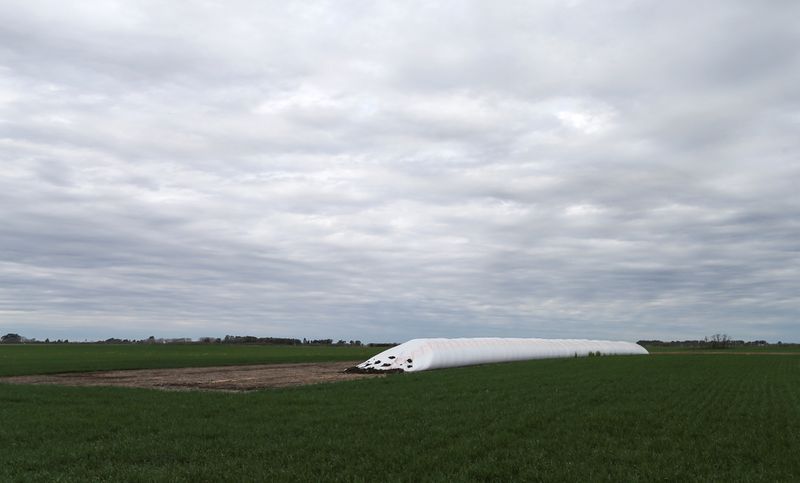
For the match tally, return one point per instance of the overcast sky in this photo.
(390, 170)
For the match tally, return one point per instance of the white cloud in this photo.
(387, 171)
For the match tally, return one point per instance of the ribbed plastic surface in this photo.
(425, 354)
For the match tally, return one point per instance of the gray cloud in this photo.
(386, 171)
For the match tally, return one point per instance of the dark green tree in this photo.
(11, 339)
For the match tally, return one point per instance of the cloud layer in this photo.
(385, 170)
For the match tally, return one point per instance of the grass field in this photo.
(679, 417)
(16, 360)
(785, 348)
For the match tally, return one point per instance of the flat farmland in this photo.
(770, 349)
(17, 360)
(676, 417)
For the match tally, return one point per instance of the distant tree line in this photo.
(716, 341)
(251, 339)
(13, 338)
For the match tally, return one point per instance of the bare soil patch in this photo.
(227, 378)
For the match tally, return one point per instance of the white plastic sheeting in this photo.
(424, 354)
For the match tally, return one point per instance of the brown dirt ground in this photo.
(227, 378)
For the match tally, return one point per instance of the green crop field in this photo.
(785, 348)
(49, 358)
(636, 418)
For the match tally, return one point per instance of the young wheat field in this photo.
(628, 418)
